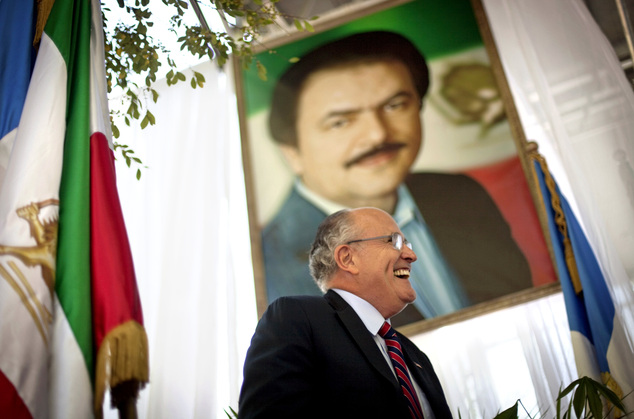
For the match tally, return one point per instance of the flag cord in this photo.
(560, 220)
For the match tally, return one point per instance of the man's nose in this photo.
(375, 127)
(408, 254)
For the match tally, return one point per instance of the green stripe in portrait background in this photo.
(436, 27)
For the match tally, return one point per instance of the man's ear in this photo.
(344, 257)
(293, 157)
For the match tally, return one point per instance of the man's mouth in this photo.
(402, 273)
(374, 152)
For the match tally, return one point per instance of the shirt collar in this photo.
(319, 201)
(405, 206)
(370, 316)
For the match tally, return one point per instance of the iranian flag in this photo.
(71, 323)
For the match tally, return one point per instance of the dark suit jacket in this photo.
(312, 357)
(468, 228)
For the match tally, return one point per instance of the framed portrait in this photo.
(462, 194)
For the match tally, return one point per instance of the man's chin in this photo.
(410, 297)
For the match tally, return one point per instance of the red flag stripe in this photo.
(115, 295)
(11, 403)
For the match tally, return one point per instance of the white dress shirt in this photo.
(373, 320)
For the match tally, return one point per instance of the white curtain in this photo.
(188, 229)
(575, 101)
(487, 363)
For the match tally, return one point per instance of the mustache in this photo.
(382, 148)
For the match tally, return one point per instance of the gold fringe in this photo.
(122, 356)
(43, 10)
(610, 383)
(560, 219)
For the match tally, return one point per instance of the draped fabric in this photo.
(188, 229)
(487, 363)
(575, 102)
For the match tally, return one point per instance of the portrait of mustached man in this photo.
(347, 118)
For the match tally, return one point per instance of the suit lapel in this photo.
(361, 335)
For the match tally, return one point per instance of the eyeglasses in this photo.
(397, 240)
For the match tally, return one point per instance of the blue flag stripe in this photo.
(590, 313)
(17, 55)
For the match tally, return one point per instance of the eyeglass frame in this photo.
(394, 236)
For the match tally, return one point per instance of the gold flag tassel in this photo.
(611, 383)
(560, 219)
(122, 366)
(43, 10)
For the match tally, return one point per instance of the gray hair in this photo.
(336, 229)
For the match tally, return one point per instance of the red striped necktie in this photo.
(398, 361)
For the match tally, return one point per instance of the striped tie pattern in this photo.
(396, 355)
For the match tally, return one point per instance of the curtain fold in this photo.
(574, 100)
(188, 228)
(489, 362)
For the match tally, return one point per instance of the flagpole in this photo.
(124, 397)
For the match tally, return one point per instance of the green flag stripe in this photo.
(69, 28)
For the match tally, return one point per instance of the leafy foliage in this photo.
(232, 414)
(589, 399)
(134, 58)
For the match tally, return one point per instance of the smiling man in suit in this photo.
(336, 355)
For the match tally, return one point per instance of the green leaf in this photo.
(144, 123)
(199, 77)
(308, 26)
(261, 71)
(234, 13)
(610, 395)
(579, 400)
(155, 95)
(298, 25)
(293, 60)
(150, 117)
(193, 83)
(568, 389)
(595, 404)
(115, 131)
(510, 413)
(138, 174)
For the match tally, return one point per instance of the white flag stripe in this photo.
(71, 391)
(621, 364)
(99, 113)
(33, 175)
(34, 170)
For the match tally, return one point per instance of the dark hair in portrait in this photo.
(365, 47)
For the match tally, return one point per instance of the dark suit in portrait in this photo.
(466, 225)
